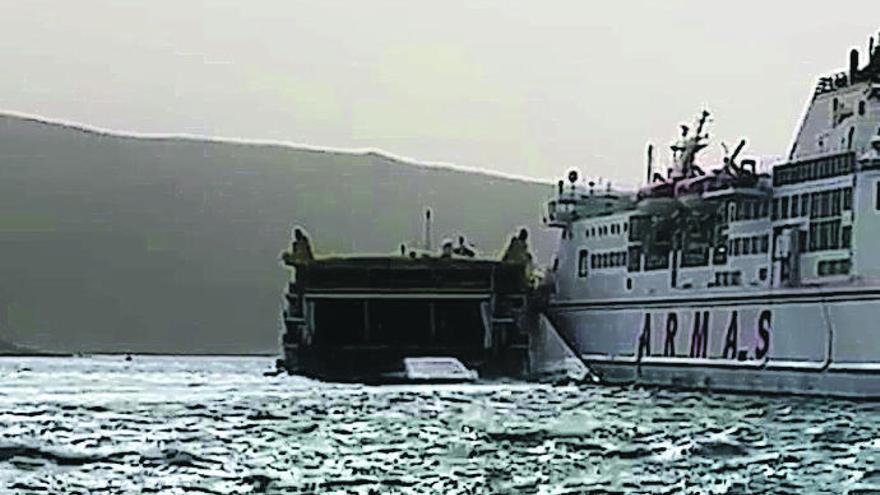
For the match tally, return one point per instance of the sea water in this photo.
(219, 425)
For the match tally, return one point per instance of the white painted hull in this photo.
(804, 341)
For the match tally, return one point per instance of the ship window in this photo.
(847, 198)
(783, 207)
(762, 274)
(765, 243)
(774, 211)
(747, 246)
(812, 243)
(634, 259)
(824, 236)
(794, 206)
(594, 261)
(657, 260)
(846, 237)
(587, 233)
(834, 234)
(877, 202)
(805, 203)
(629, 284)
(835, 202)
(834, 267)
(862, 107)
(719, 255)
(582, 263)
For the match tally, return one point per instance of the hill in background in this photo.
(112, 243)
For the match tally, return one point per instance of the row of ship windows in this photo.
(828, 235)
(599, 261)
(820, 168)
(727, 279)
(830, 268)
(818, 204)
(722, 279)
(759, 244)
(604, 230)
(822, 236)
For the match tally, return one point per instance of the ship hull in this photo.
(793, 342)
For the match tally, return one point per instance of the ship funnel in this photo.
(428, 229)
(853, 64)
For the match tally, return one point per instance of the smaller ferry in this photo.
(416, 316)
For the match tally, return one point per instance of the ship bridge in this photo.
(576, 200)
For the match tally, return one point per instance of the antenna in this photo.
(702, 122)
(427, 229)
(853, 64)
(738, 149)
(650, 161)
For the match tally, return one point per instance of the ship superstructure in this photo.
(728, 277)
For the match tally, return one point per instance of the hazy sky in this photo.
(527, 88)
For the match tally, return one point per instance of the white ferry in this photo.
(735, 279)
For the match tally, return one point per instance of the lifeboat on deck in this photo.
(657, 198)
(739, 182)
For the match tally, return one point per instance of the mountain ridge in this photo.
(120, 243)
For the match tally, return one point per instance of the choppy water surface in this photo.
(217, 425)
